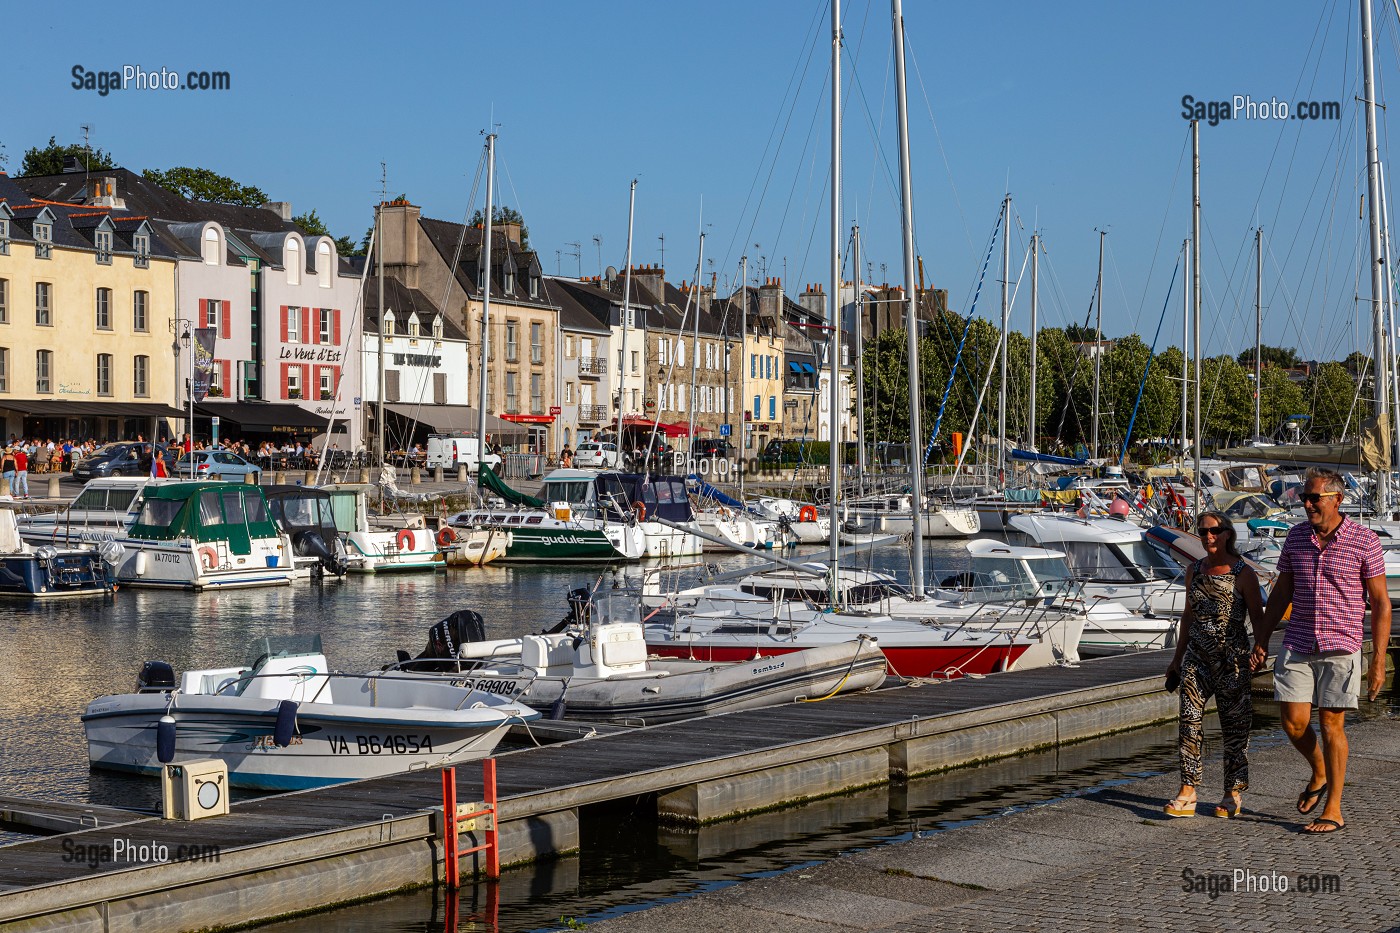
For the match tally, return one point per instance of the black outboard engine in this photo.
(155, 677)
(444, 640)
(310, 543)
(580, 611)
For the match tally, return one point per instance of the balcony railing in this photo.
(593, 413)
(592, 366)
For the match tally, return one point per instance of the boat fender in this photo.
(446, 537)
(286, 726)
(165, 739)
(560, 705)
(208, 557)
(404, 540)
(639, 509)
(808, 513)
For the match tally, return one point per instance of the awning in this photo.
(795, 367)
(808, 368)
(529, 419)
(453, 419)
(60, 408)
(266, 417)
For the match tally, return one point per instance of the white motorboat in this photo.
(285, 722)
(382, 544)
(48, 571)
(470, 545)
(1112, 559)
(102, 510)
(597, 669)
(305, 515)
(203, 535)
(802, 520)
(892, 514)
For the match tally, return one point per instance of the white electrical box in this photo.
(193, 790)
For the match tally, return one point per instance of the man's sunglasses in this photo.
(1313, 498)
(1212, 530)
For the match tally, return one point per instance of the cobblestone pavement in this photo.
(1111, 857)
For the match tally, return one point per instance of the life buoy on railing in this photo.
(404, 540)
(208, 557)
(639, 509)
(446, 537)
(808, 513)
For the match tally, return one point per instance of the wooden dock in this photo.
(312, 849)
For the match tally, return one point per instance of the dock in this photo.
(314, 849)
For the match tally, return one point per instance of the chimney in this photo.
(813, 300)
(770, 303)
(511, 231)
(72, 164)
(282, 209)
(104, 194)
(652, 278)
(399, 235)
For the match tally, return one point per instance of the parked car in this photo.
(123, 458)
(216, 463)
(597, 455)
(711, 447)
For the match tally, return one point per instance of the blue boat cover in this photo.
(1047, 458)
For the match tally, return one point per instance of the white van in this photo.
(450, 451)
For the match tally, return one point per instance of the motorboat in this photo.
(203, 535)
(48, 571)
(802, 520)
(646, 497)
(472, 545)
(1112, 559)
(384, 544)
(893, 514)
(285, 721)
(596, 667)
(102, 510)
(305, 515)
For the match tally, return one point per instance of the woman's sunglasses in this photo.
(1313, 498)
(1211, 530)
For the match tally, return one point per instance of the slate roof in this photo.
(444, 235)
(582, 306)
(403, 302)
(75, 225)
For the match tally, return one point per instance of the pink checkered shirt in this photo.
(1329, 592)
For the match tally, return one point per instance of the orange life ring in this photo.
(404, 540)
(640, 510)
(808, 513)
(446, 537)
(209, 557)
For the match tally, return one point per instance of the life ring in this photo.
(446, 537)
(208, 557)
(808, 513)
(640, 510)
(404, 540)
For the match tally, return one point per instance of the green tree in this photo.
(1227, 400)
(1280, 398)
(311, 223)
(201, 184)
(1286, 357)
(48, 160)
(500, 214)
(1079, 333)
(1332, 392)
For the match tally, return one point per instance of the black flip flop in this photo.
(1323, 821)
(1314, 795)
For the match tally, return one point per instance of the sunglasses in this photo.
(1313, 498)
(1211, 530)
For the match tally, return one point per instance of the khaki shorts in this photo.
(1330, 680)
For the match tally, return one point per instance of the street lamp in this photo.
(186, 341)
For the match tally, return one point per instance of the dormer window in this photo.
(413, 329)
(510, 279)
(437, 327)
(43, 241)
(4, 234)
(293, 261)
(534, 286)
(142, 244)
(103, 241)
(388, 326)
(325, 264)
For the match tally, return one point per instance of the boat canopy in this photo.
(663, 496)
(232, 512)
(1034, 457)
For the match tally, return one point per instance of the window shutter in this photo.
(286, 367)
(284, 340)
(224, 324)
(335, 326)
(305, 325)
(203, 314)
(306, 389)
(315, 314)
(335, 379)
(228, 376)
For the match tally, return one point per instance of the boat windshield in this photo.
(1149, 561)
(1133, 562)
(1002, 578)
(573, 491)
(159, 513)
(282, 646)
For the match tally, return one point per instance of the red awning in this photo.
(529, 419)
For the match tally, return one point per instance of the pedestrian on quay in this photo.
(566, 457)
(1330, 567)
(1213, 659)
(21, 478)
(7, 467)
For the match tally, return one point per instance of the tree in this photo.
(1285, 357)
(502, 215)
(1332, 392)
(1281, 397)
(1077, 333)
(200, 184)
(311, 223)
(1227, 400)
(48, 160)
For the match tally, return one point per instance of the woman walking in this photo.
(1212, 659)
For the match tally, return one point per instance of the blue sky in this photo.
(723, 106)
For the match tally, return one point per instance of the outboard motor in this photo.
(310, 543)
(580, 611)
(444, 640)
(155, 677)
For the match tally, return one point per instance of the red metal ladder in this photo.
(470, 817)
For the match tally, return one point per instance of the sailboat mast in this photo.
(1035, 311)
(833, 319)
(485, 278)
(1098, 349)
(859, 359)
(1259, 320)
(1196, 303)
(1005, 323)
(626, 313)
(379, 262)
(695, 355)
(1380, 357)
(906, 198)
(743, 352)
(1185, 346)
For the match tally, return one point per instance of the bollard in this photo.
(364, 475)
(251, 479)
(437, 473)
(309, 478)
(54, 491)
(415, 477)
(280, 477)
(461, 472)
(4, 486)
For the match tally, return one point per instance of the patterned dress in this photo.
(1216, 664)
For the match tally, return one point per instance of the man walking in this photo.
(1329, 568)
(21, 480)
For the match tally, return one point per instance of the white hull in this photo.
(408, 549)
(203, 565)
(476, 547)
(663, 541)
